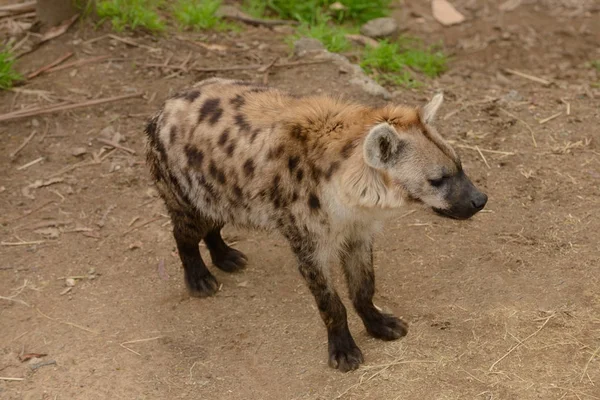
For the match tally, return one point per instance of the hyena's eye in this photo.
(437, 182)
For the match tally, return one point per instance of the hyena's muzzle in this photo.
(463, 198)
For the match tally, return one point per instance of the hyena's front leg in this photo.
(357, 261)
(344, 354)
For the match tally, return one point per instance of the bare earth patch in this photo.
(506, 305)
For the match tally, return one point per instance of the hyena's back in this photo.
(242, 153)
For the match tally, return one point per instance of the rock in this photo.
(70, 282)
(356, 76)
(445, 13)
(512, 96)
(380, 28)
(78, 151)
(303, 46)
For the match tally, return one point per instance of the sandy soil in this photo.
(504, 306)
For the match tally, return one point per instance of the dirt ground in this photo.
(504, 306)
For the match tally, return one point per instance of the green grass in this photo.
(395, 62)
(595, 64)
(358, 11)
(332, 36)
(131, 14)
(8, 75)
(199, 15)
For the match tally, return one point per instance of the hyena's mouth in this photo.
(449, 214)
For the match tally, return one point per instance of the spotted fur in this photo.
(320, 171)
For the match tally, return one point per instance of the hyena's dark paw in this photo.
(344, 354)
(230, 260)
(386, 327)
(202, 286)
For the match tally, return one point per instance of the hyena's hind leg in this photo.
(357, 262)
(189, 230)
(224, 257)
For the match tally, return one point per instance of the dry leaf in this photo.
(509, 5)
(58, 30)
(445, 13)
(29, 356)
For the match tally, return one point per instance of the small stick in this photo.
(22, 146)
(257, 22)
(48, 110)
(71, 168)
(568, 106)
(15, 300)
(588, 363)
(66, 322)
(524, 123)
(550, 118)
(132, 43)
(6, 378)
(265, 71)
(520, 343)
(483, 157)
(137, 341)
(78, 63)
(238, 67)
(49, 66)
(141, 226)
(527, 76)
(116, 145)
(22, 243)
(30, 163)
(32, 211)
(504, 153)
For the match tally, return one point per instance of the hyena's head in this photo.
(422, 165)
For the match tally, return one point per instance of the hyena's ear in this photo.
(428, 111)
(382, 147)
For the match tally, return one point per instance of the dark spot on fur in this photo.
(299, 175)
(241, 122)
(249, 168)
(258, 90)
(313, 202)
(255, 133)
(363, 193)
(173, 134)
(237, 191)
(212, 169)
(229, 149)
(316, 173)
(189, 95)
(238, 101)
(223, 138)
(275, 153)
(294, 197)
(347, 150)
(331, 170)
(221, 177)
(212, 110)
(293, 163)
(194, 156)
(297, 132)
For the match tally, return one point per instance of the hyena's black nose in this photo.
(479, 201)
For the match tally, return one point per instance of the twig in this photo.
(239, 67)
(524, 123)
(22, 243)
(14, 9)
(483, 157)
(78, 63)
(521, 343)
(22, 146)
(48, 110)
(71, 168)
(137, 341)
(115, 145)
(6, 378)
(504, 153)
(132, 43)
(30, 163)
(15, 300)
(550, 118)
(66, 322)
(257, 21)
(31, 212)
(527, 76)
(141, 226)
(265, 70)
(588, 363)
(49, 66)
(42, 364)
(568, 106)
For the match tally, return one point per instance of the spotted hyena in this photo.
(321, 171)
